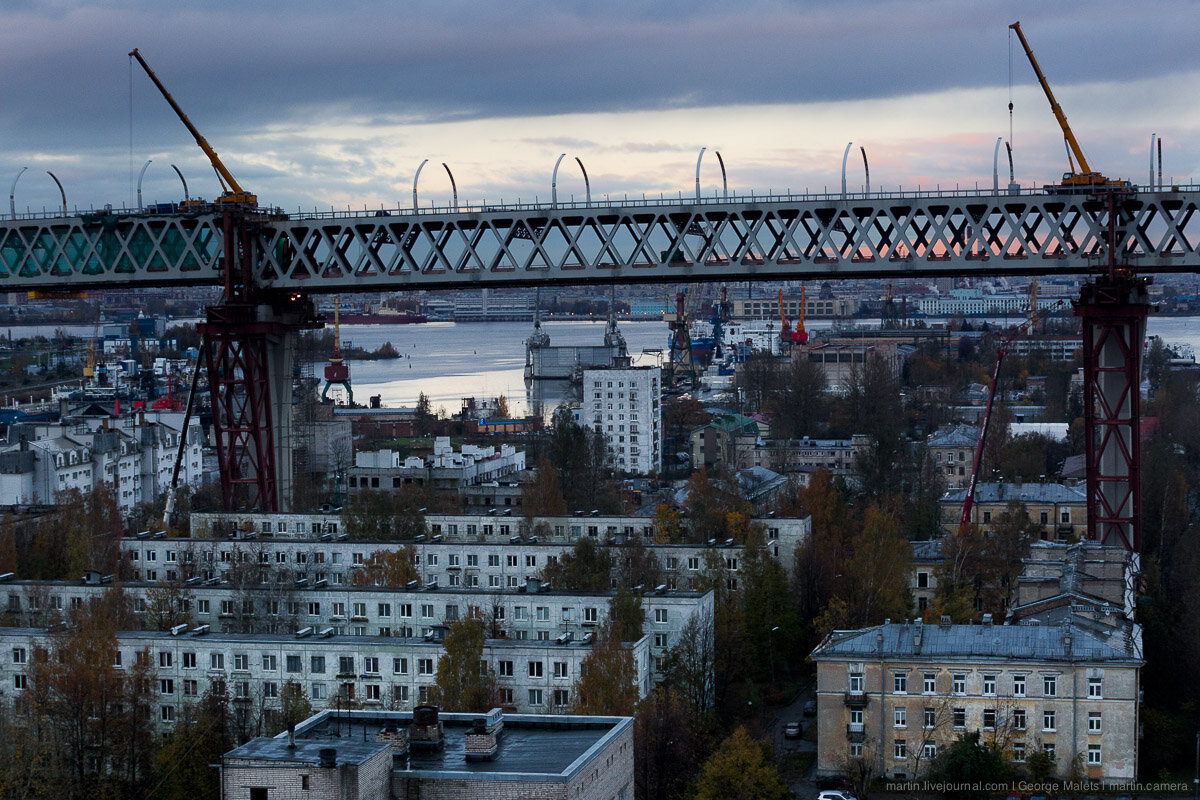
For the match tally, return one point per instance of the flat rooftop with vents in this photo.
(375, 755)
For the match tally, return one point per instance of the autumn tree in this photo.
(295, 706)
(740, 768)
(463, 681)
(876, 576)
(715, 508)
(585, 568)
(541, 495)
(608, 683)
(168, 604)
(668, 525)
(394, 568)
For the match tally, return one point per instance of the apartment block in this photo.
(625, 405)
(334, 670)
(895, 694)
(257, 603)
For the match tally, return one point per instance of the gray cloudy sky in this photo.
(336, 103)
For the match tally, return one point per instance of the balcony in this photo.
(856, 699)
(855, 732)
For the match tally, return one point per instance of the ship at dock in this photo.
(545, 362)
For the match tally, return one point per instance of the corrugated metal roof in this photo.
(1000, 492)
(1030, 642)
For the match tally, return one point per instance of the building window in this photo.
(856, 720)
(900, 682)
(1048, 749)
(1048, 721)
(989, 719)
(899, 717)
(167, 713)
(900, 750)
(929, 682)
(535, 669)
(19, 655)
(1094, 722)
(856, 683)
(960, 718)
(269, 662)
(424, 666)
(1018, 718)
(660, 615)
(856, 749)
(1093, 755)
(1050, 686)
(989, 685)
(561, 697)
(1018, 751)
(1018, 685)
(929, 751)
(930, 719)
(922, 580)
(959, 683)
(1096, 688)
(535, 697)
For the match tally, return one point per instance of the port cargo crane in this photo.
(1085, 177)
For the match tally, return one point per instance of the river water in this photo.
(449, 361)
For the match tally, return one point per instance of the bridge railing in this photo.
(643, 200)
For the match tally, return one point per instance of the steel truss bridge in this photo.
(269, 263)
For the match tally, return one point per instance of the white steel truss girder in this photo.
(737, 239)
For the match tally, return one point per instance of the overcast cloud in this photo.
(337, 103)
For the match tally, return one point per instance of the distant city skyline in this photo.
(316, 105)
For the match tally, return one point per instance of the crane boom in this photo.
(1086, 176)
(233, 192)
(1001, 350)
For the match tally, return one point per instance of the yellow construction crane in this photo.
(1085, 178)
(231, 191)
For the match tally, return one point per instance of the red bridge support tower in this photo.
(249, 342)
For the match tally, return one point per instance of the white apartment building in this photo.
(444, 469)
(135, 455)
(264, 600)
(625, 405)
(369, 672)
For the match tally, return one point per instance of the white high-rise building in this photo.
(625, 404)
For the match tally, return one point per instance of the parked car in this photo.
(793, 730)
(836, 794)
(810, 708)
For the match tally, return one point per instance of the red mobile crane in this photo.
(1011, 335)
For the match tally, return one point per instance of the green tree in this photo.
(424, 419)
(464, 683)
(670, 741)
(627, 615)
(294, 706)
(740, 769)
(969, 764)
(581, 457)
(872, 407)
(585, 568)
(184, 757)
(799, 407)
(607, 681)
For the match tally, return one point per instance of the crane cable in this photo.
(1010, 86)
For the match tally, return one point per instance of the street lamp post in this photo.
(61, 191)
(12, 193)
(141, 175)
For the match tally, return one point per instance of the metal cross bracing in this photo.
(269, 263)
(802, 237)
